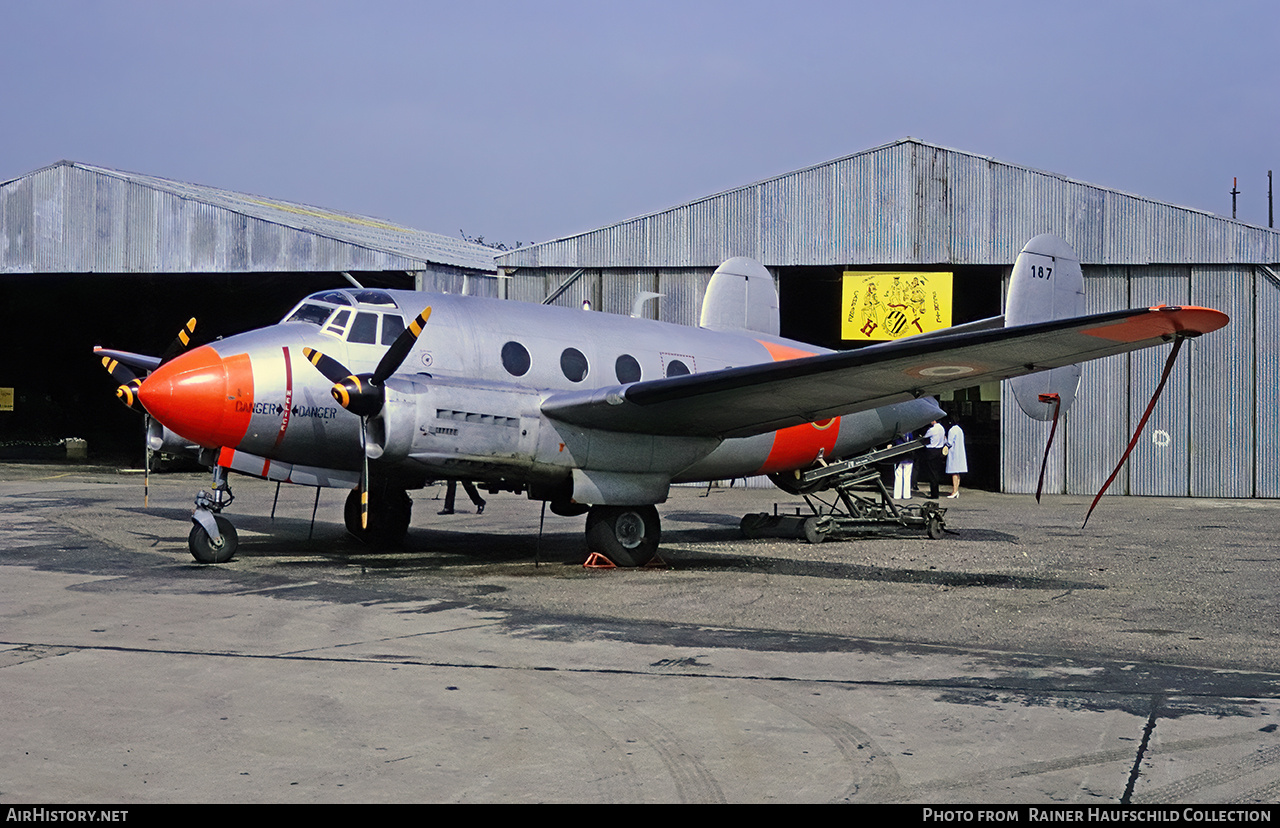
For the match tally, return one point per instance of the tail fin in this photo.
(741, 297)
(1046, 284)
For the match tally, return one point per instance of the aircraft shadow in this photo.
(436, 548)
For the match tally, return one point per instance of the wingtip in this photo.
(1162, 321)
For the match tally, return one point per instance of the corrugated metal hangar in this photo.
(90, 255)
(914, 206)
(95, 256)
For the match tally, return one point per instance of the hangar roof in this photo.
(909, 202)
(77, 218)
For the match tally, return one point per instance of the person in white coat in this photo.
(957, 461)
(935, 451)
(903, 471)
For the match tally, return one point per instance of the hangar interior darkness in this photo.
(809, 303)
(49, 324)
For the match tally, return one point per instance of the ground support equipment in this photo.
(861, 503)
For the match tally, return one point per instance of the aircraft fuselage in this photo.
(465, 403)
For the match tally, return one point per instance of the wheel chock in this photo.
(597, 561)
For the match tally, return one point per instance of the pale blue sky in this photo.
(524, 121)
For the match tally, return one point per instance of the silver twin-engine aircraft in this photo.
(385, 391)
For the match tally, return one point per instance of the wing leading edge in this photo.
(739, 402)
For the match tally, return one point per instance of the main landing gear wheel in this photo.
(626, 535)
(205, 550)
(389, 512)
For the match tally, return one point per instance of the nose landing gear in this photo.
(213, 539)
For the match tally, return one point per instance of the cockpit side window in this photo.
(339, 324)
(365, 329)
(392, 326)
(311, 314)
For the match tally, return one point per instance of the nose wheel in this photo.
(206, 550)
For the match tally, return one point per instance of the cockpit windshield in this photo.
(312, 312)
(309, 313)
(331, 311)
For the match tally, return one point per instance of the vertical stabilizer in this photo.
(1046, 284)
(741, 297)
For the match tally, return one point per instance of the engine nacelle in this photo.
(454, 427)
(164, 440)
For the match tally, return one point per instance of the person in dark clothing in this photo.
(451, 492)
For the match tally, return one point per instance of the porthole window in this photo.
(573, 364)
(676, 368)
(515, 358)
(627, 369)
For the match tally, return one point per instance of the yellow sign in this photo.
(879, 305)
(6, 399)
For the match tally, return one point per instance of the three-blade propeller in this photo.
(127, 392)
(365, 394)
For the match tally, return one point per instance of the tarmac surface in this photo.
(1018, 659)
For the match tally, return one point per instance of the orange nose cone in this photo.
(202, 396)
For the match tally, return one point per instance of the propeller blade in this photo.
(119, 372)
(399, 349)
(364, 474)
(128, 394)
(180, 342)
(332, 370)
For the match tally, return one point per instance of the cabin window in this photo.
(676, 368)
(365, 329)
(515, 358)
(392, 327)
(627, 369)
(573, 364)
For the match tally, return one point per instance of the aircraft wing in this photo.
(752, 399)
